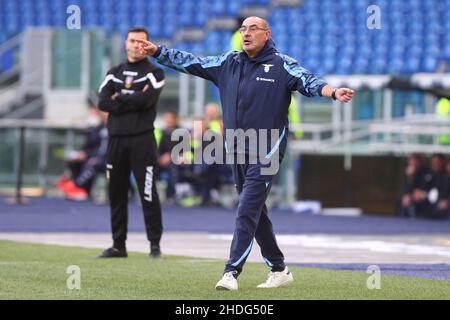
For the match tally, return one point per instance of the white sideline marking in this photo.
(314, 248)
(334, 242)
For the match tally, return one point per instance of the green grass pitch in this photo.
(34, 271)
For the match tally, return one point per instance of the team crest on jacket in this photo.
(129, 82)
(267, 67)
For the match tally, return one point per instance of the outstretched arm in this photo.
(302, 80)
(205, 67)
(340, 94)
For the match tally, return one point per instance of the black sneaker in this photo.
(113, 253)
(155, 252)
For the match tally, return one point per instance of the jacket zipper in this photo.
(240, 96)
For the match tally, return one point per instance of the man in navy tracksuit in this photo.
(255, 90)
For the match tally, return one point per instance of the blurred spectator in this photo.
(190, 183)
(443, 112)
(414, 175)
(236, 38)
(211, 177)
(213, 119)
(85, 164)
(427, 190)
(168, 171)
(183, 180)
(436, 203)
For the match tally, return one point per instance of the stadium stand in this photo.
(414, 37)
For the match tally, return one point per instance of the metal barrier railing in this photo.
(22, 126)
(397, 137)
(377, 135)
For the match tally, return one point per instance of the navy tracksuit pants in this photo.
(252, 221)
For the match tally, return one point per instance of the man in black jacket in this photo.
(129, 94)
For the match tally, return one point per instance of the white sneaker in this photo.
(228, 282)
(278, 279)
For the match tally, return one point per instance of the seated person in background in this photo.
(203, 180)
(210, 177)
(415, 171)
(212, 118)
(168, 171)
(85, 164)
(431, 199)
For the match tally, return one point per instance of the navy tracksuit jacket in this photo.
(255, 94)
